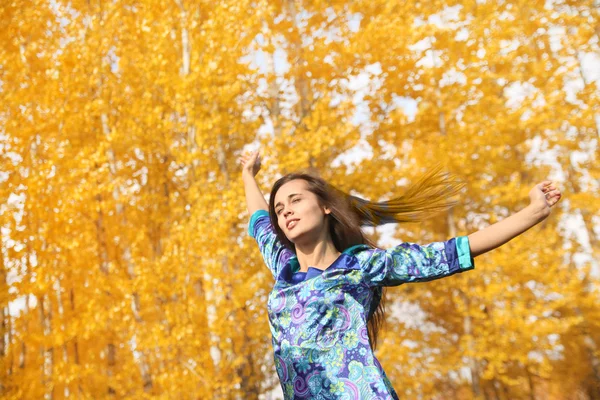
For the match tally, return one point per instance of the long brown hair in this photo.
(432, 193)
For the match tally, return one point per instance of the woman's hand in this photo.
(543, 196)
(250, 163)
(254, 197)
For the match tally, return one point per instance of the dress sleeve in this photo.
(410, 262)
(272, 249)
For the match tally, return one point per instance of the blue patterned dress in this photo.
(318, 319)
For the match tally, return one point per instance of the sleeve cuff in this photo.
(463, 250)
(257, 214)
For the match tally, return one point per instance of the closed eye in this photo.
(293, 201)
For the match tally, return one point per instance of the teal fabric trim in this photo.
(294, 264)
(350, 250)
(464, 253)
(257, 214)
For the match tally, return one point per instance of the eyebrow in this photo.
(289, 197)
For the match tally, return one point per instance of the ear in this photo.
(327, 211)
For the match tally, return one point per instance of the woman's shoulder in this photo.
(362, 252)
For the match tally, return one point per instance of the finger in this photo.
(544, 184)
(555, 192)
(554, 200)
(549, 187)
(553, 197)
(556, 197)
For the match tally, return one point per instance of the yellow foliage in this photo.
(127, 271)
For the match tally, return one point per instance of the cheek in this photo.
(314, 212)
(309, 210)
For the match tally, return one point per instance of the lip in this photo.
(287, 224)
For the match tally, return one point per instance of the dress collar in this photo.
(291, 272)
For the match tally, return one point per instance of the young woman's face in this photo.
(298, 212)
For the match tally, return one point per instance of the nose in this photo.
(286, 212)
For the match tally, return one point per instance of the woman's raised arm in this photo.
(273, 251)
(543, 196)
(254, 197)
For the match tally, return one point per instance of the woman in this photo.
(324, 309)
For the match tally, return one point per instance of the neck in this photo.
(320, 255)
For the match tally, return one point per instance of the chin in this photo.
(291, 236)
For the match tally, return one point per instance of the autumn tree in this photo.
(126, 268)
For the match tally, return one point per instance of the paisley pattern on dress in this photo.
(319, 324)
